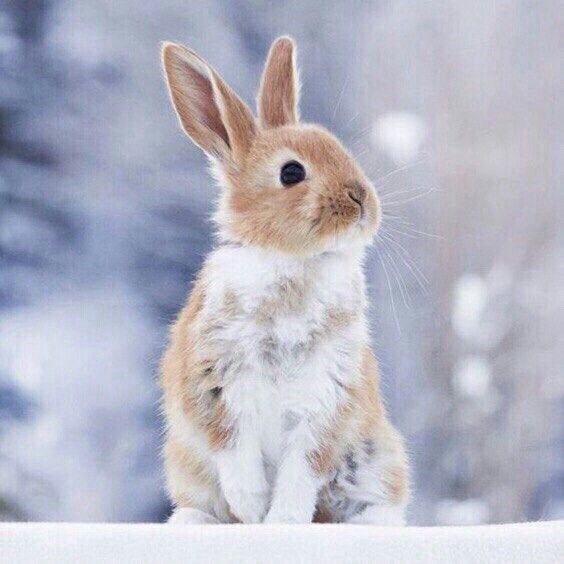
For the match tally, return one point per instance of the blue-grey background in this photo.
(454, 110)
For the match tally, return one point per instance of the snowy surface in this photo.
(42, 543)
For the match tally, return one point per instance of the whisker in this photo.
(402, 220)
(362, 152)
(385, 194)
(408, 256)
(388, 228)
(360, 135)
(410, 199)
(412, 267)
(399, 278)
(339, 99)
(392, 173)
(411, 231)
(394, 311)
(352, 120)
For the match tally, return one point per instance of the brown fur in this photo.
(277, 98)
(300, 218)
(362, 417)
(289, 297)
(358, 416)
(186, 376)
(214, 117)
(184, 472)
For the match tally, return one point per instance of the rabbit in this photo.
(270, 388)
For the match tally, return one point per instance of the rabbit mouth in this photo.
(361, 219)
(349, 221)
(367, 222)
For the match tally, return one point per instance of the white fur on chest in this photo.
(281, 359)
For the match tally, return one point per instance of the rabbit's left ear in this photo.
(277, 101)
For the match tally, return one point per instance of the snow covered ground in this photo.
(40, 543)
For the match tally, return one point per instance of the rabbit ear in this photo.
(278, 95)
(210, 113)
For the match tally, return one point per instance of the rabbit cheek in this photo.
(336, 214)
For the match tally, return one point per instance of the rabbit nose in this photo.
(357, 193)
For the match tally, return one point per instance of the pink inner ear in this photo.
(205, 108)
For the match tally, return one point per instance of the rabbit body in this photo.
(271, 394)
(270, 387)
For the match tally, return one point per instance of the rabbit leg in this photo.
(369, 486)
(192, 485)
(240, 463)
(297, 485)
(242, 478)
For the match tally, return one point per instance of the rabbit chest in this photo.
(285, 334)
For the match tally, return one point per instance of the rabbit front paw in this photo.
(190, 516)
(247, 506)
(288, 514)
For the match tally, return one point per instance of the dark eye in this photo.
(292, 173)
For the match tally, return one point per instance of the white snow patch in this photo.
(470, 298)
(400, 135)
(472, 376)
(81, 360)
(462, 512)
(519, 543)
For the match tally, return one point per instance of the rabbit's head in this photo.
(286, 185)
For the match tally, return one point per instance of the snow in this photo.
(472, 376)
(462, 512)
(89, 344)
(470, 298)
(42, 543)
(400, 135)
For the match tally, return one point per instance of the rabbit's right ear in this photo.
(279, 90)
(210, 113)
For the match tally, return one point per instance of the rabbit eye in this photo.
(292, 173)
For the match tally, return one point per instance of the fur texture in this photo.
(270, 387)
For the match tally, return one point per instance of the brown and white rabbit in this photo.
(270, 386)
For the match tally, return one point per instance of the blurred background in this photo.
(453, 108)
